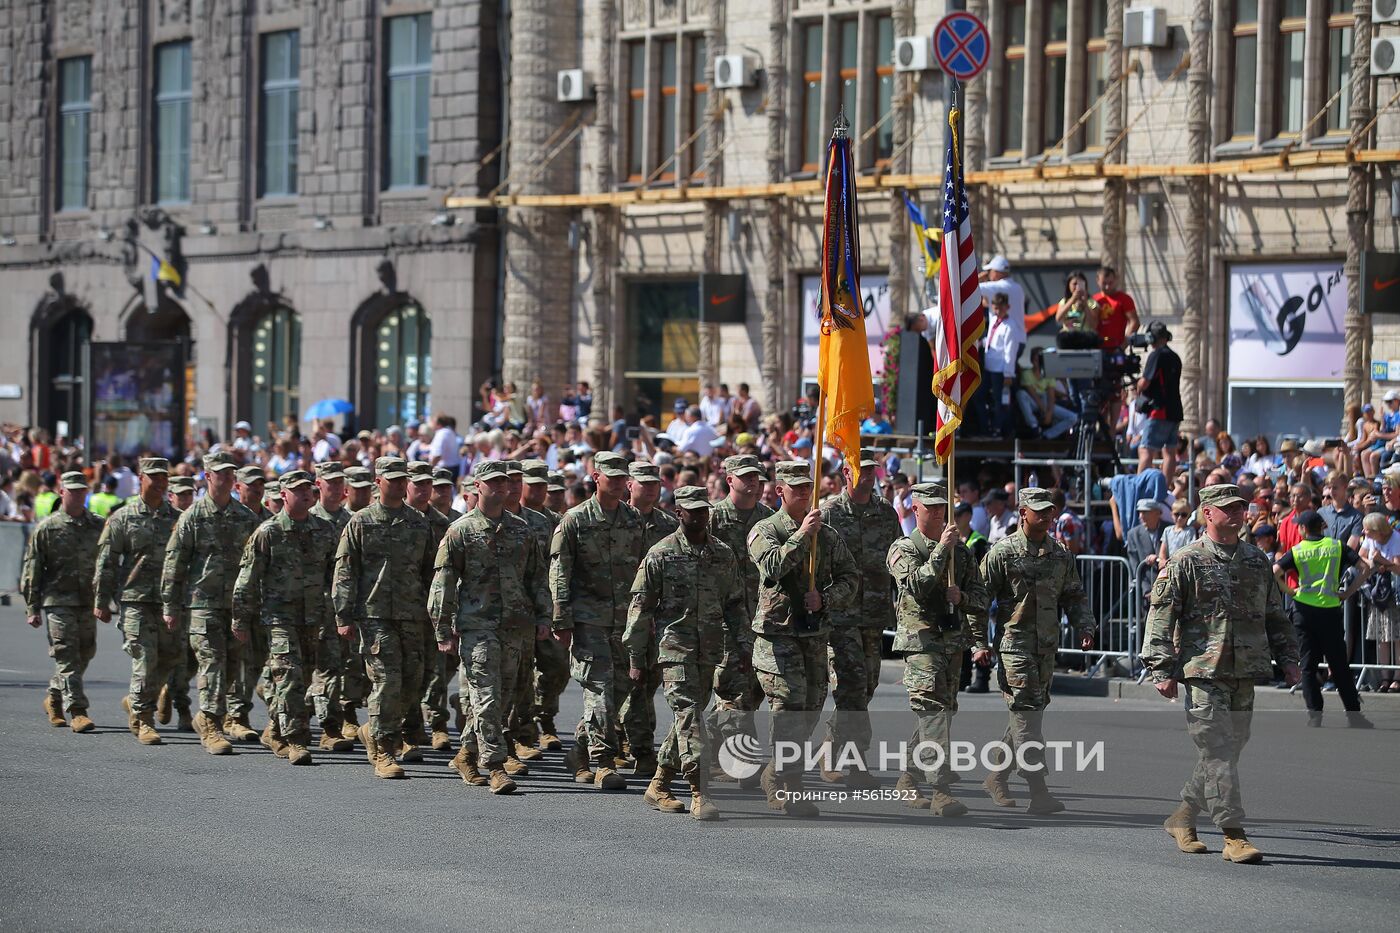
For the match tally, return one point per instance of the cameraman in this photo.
(1159, 395)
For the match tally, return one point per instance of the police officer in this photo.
(687, 606)
(933, 630)
(1032, 578)
(1216, 592)
(868, 526)
(56, 584)
(593, 559)
(130, 555)
(793, 621)
(201, 565)
(283, 581)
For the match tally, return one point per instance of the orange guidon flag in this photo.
(844, 371)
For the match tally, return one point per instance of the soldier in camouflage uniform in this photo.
(517, 646)
(868, 525)
(130, 555)
(593, 559)
(638, 713)
(444, 485)
(522, 733)
(383, 568)
(1217, 618)
(688, 611)
(435, 699)
(488, 568)
(181, 492)
(284, 581)
(201, 564)
(554, 494)
(176, 691)
(1032, 578)
(417, 715)
(354, 686)
(335, 661)
(793, 621)
(249, 658)
(56, 584)
(272, 497)
(250, 487)
(551, 658)
(933, 630)
(737, 693)
(360, 491)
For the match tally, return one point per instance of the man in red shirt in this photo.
(1118, 316)
(1301, 498)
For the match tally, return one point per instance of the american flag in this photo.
(957, 372)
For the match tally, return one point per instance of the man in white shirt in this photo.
(326, 445)
(697, 434)
(747, 406)
(998, 365)
(999, 516)
(713, 408)
(446, 448)
(127, 484)
(998, 281)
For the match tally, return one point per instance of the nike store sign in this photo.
(1380, 283)
(723, 298)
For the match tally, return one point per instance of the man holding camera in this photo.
(1159, 395)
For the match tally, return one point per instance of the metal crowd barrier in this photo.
(1116, 600)
(14, 536)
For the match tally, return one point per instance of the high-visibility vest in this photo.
(44, 503)
(102, 503)
(1319, 567)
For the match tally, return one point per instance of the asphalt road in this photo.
(102, 833)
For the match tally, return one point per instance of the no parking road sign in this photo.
(961, 45)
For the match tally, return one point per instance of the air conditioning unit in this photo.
(573, 86)
(1385, 56)
(1145, 27)
(734, 71)
(1385, 11)
(911, 53)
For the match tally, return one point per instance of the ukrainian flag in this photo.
(162, 271)
(930, 241)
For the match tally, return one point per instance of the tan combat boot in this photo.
(442, 741)
(910, 793)
(827, 758)
(501, 782)
(186, 721)
(298, 754)
(237, 729)
(272, 740)
(1181, 826)
(768, 780)
(514, 766)
(384, 766)
(210, 737)
(350, 726)
(794, 805)
(163, 706)
(333, 737)
(999, 789)
(946, 805)
(646, 766)
(407, 752)
(81, 723)
(525, 752)
(549, 737)
(658, 794)
(53, 705)
(132, 722)
(1042, 801)
(583, 774)
(146, 730)
(1239, 849)
(606, 778)
(701, 806)
(465, 764)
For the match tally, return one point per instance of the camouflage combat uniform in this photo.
(418, 715)
(283, 581)
(1217, 618)
(338, 661)
(593, 559)
(519, 707)
(251, 667)
(184, 671)
(354, 686)
(444, 664)
(551, 658)
(130, 555)
(56, 581)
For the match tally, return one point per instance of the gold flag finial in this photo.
(840, 129)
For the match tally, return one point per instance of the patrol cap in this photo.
(556, 482)
(929, 493)
(1149, 505)
(420, 471)
(177, 483)
(742, 465)
(644, 472)
(74, 479)
(513, 467)
(1034, 498)
(390, 468)
(442, 476)
(292, 479)
(358, 477)
(869, 458)
(692, 497)
(795, 472)
(220, 460)
(331, 469)
(536, 472)
(488, 469)
(251, 474)
(610, 464)
(154, 465)
(468, 485)
(272, 489)
(1221, 495)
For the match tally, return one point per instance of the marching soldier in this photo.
(522, 730)
(176, 691)
(425, 711)
(444, 665)
(130, 554)
(200, 567)
(793, 621)
(360, 491)
(868, 526)
(383, 568)
(551, 658)
(354, 687)
(1032, 578)
(554, 497)
(1217, 618)
(487, 567)
(336, 662)
(181, 492)
(283, 581)
(248, 658)
(444, 483)
(56, 584)
(933, 630)
(688, 607)
(593, 559)
(272, 497)
(517, 649)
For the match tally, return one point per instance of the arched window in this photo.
(401, 378)
(63, 371)
(275, 348)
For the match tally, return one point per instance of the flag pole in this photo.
(954, 139)
(817, 444)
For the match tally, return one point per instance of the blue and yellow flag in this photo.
(930, 241)
(162, 271)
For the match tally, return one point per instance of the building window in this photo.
(409, 68)
(403, 366)
(884, 88)
(812, 97)
(63, 372)
(1056, 33)
(172, 126)
(74, 114)
(848, 71)
(663, 343)
(1292, 52)
(635, 157)
(276, 369)
(1340, 20)
(699, 106)
(670, 102)
(1013, 79)
(1246, 65)
(281, 83)
(1099, 72)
